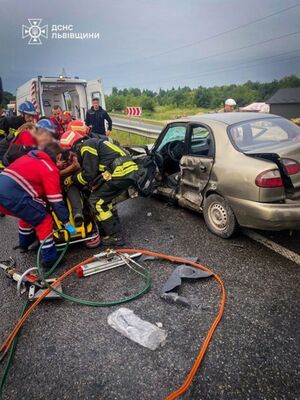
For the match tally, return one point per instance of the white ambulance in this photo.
(71, 94)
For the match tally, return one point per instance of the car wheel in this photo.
(219, 216)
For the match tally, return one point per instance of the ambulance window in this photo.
(68, 101)
(96, 95)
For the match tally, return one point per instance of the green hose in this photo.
(11, 354)
(145, 275)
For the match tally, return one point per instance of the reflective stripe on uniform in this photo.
(103, 215)
(13, 131)
(124, 169)
(80, 179)
(88, 149)
(2, 132)
(1, 165)
(101, 167)
(115, 148)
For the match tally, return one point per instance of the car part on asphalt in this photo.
(134, 328)
(10, 341)
(174, 297)
(170, 288)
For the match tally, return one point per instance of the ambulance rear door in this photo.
(94, 89)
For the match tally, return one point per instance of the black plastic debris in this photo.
(170, 288)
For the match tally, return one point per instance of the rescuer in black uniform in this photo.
(108, 171)
(95, 119)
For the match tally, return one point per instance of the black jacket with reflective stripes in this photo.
(101, 156)
(10, 124)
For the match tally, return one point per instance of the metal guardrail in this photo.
(137, 130)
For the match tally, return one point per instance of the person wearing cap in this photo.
(95, 120)
(229, 105)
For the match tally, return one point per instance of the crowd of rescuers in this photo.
(44, 160)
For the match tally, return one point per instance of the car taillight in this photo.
(292, 166)
(272, 179)
(269, 179)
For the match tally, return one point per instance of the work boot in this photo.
(22, 249)
(34, 246)
(78, 220)
(49, 264)
(114, 240)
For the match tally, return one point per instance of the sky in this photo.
(154, 43)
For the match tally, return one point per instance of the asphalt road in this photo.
(69, 352)
(134, 122)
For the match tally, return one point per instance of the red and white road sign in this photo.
(134, 111)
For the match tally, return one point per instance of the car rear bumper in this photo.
(268, 216)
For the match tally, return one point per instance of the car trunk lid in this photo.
(278, 154)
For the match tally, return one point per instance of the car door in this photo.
(196, 165)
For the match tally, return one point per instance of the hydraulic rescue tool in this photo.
(105, 261)
(28, 281)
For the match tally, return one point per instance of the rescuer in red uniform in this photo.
(60, 119)
(26, 186)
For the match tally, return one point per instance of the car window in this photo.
(175, 132)
(201, 143)
(261, 133)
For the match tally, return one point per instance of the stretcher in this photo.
(87, 232)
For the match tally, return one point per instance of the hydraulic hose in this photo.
(11, 355)
(184, 387)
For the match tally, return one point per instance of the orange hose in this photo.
(8, 341)
(183, 388)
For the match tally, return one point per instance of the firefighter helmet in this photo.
(27, 108)
(78, 126)
(47, 124)
(69, 138)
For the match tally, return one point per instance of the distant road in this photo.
(136, 126)
(136, 122)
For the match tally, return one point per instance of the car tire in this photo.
(219, 216)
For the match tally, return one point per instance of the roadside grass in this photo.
(126, 138)
(163, 114)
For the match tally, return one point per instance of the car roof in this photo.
(226, 118)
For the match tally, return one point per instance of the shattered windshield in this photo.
(261, 133)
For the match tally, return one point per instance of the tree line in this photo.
(211, 97)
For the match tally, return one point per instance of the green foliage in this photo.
(7, 97)
(209, 98)
(115, 103)
(147, 103)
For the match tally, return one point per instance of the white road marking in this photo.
(277, 248)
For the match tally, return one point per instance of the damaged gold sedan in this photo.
(238, 169)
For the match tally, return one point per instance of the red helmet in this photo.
(78, 126)
(68, 139)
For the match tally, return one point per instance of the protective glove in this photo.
(70, 228)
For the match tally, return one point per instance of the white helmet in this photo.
(230, 102)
